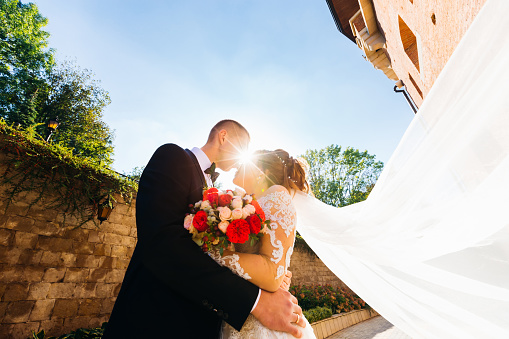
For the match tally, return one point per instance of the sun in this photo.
(245, 157)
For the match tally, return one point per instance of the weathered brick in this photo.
(134, 232)
(18, 208)
(104, 290)
(89, 307)
(68, 259)
(93, 236)
(23, 330)
(75, 323)
(97, 274)
(5, 330)
(76, 234)
(46, 228)
(121, 263)
(9, 255)
(54, 244)
(102, 250)
(114, 239)
(38, 291)
(118, 251)
(49, 258)
(53, 327)
(83, 260)
(107, 305)
(18, 223)
(115, 276)
(25, 239)
(54, 274)
(6, 237)
(76, 275)
(116, 289)
(65, 308)
(30, 257)
(32, 273)
(85, 290)
(18, 311)
(107, 262)
(3, 309)
(122, 229)
(42, 310)
(129, 241)
(10, 273)
(15, 292)
(45, 214)
(62, 290)
(83, 247)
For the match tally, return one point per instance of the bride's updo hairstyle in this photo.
(282, 169)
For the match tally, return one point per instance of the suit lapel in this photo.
(197, 167)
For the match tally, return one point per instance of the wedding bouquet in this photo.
(224, 218)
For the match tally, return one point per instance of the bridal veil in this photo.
(429, 248)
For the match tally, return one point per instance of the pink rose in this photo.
(223, 226)
(237, 203)
(188, 221)
(237, 214)
(247, 211)
(248, 199)
(225, 213)
(205, 204)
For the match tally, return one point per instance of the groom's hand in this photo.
(279, 311)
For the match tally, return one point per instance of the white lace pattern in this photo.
(230, 261)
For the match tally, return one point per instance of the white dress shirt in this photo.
(204, 162)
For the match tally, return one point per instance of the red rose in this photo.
(238, 231)
(213, 198)
(258, 209)
(255, 223)
(225, 200)
(209, 191)
(200, 221)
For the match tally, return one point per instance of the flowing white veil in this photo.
(429, 248)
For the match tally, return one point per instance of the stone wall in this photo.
(308, 269)
(59, 279)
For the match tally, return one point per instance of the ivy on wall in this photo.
(49, 174)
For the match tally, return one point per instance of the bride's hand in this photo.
(287, 280)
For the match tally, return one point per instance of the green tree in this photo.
(78, 100)
(24, 60)
(341, 178)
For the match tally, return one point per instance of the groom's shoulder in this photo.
(171, 151)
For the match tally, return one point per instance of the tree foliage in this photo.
(34, 89)
(24, 60)
(341, 178)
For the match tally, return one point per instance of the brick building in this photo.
(408, 40)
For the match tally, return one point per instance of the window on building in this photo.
(409, 42)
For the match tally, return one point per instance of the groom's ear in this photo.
(222, 136)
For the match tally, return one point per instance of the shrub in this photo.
(336, 298)
(317, 313)
(81, 333)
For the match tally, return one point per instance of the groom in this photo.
(171, 289)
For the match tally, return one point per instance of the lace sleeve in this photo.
(267, 268)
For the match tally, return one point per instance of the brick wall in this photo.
(308, 269)
(59, 279)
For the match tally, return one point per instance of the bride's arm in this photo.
(267, 269)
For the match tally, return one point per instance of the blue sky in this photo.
(175, 68)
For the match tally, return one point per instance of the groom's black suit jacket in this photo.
(172, 289)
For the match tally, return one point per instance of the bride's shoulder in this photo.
(276, 192)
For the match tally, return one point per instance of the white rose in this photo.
(198, 204)
(248, 199)
(237, 203)
(223, 226)
(205, 205)
(236, 214)
(188, 221)
(225, 213)
(240, 192)
(247, 211)
(230, 192)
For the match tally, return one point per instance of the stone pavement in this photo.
(374, 328)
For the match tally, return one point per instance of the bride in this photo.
(273, 177)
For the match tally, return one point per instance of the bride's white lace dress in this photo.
(279, 209)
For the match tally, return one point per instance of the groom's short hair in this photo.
(231, 126)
